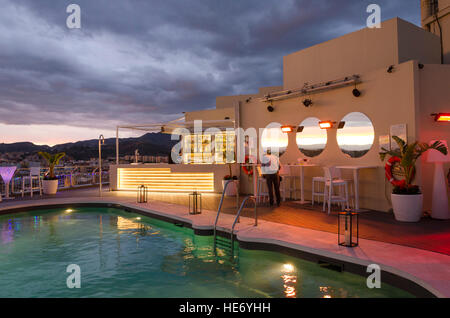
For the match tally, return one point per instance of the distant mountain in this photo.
(151, 144)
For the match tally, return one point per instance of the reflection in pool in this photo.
(128, 255)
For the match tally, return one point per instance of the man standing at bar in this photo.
(270, 165)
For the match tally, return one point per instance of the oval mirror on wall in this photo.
(311, 140)
(274, 139)
(356, 137)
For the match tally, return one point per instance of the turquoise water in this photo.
(123, 254)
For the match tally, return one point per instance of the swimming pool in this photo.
(123, 254)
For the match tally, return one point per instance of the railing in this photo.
(68, 177)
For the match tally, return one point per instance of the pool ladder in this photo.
(224, 243)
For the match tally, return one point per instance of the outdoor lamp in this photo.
(287, 129)
(439, 208)
(326, 124)
(348, 229)
(441, 117)
(195, 203)
(307, 102)
(142, 194)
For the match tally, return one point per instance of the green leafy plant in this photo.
(408, 154)
(52, 160)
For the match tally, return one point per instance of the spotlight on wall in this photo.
(341, 125)
(390, 69)
(441, 117)
(307, 102)
(421, 66)
(300, 129)
(270, 109)
(227, 118)
(326, 124)
(287, 129)
(248, 100)
(162, 129)
(356, 92)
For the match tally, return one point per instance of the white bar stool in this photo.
(330, 183)
(262, 192)
(35, 174)
(286, 184)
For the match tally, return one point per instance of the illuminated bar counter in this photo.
(168, 177)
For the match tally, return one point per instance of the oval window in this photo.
(274, 139)
(357, 135)
(311, 140)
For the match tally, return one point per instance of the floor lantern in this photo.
(348, 229)
(439, 208)
(142, 194)
(195, 203)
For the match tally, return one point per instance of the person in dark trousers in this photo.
(270, 166)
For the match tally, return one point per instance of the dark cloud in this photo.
(144, 61)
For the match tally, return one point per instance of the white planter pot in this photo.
(231, 190)
(407, 208)
(50, 186)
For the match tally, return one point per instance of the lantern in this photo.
(348, 229)
(195, 203)
(142, 194)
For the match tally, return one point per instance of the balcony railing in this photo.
(70, 177)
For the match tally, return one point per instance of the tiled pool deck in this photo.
(428, 269)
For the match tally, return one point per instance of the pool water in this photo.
(122, 254)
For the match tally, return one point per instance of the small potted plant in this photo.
(50, 182)
(231, 189)
(407, 199)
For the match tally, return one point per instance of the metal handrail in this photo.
(236, 220)
(219, 209)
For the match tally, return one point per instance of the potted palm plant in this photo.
(50, 182)
(407, 199)
(231, 189)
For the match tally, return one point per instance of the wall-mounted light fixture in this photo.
(326, 124)
(307, 102)
(421, 66)
(390, 69)
(341, 125)
(287, 129)
(441, 117)
(300, 129)
(270, 108)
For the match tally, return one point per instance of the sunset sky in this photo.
(144, 61)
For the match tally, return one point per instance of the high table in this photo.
(7, 174)
(302, 180)
(356, 181)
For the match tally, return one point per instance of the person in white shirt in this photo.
(270, 165)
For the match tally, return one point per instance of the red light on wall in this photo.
(326, 124)
(442, 117)
(287, 129)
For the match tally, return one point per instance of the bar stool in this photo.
(286, 184)
(319, 194)
(35, 174)
(329, 196)
(262, 192)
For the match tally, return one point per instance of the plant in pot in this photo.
(50, 182)
(231, 189)
(407, 199)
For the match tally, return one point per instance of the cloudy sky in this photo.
(144, 61)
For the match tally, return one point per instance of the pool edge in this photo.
(392, 276)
